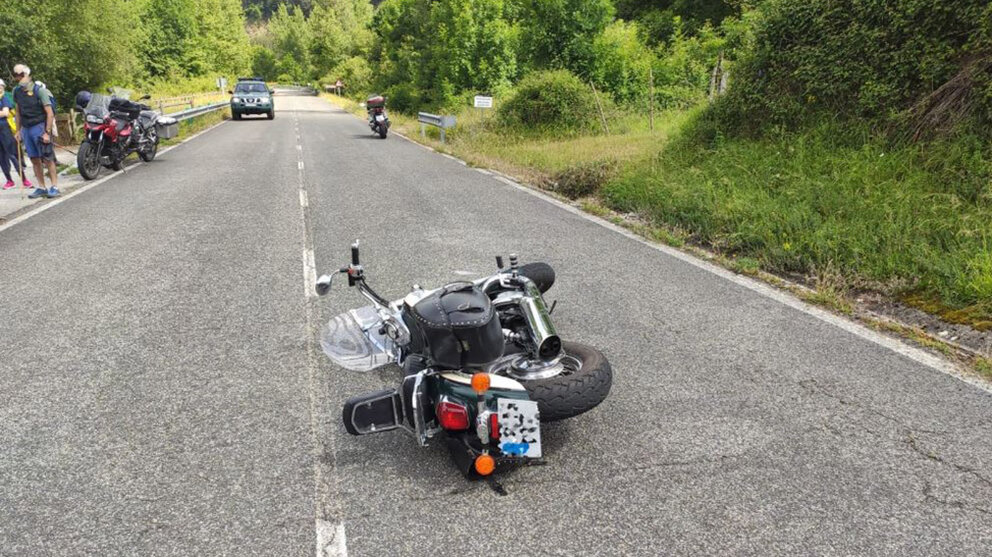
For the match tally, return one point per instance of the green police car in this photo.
(252, 96)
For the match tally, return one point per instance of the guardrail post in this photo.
(423, 130)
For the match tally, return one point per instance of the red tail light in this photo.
(452, 416)
(494, 426)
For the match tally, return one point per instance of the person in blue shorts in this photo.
(35, 121)
(8, 146)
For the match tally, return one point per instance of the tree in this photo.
(621, 62)
(560, 33)
(655, 16)
(66, 44)
(291, 39)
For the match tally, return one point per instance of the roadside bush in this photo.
(859, 58)
(583, 179)
(404, 98)
(555, 100)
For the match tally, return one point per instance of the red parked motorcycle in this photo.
(116, 127)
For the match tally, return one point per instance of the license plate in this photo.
(380, 118)
(519, 428)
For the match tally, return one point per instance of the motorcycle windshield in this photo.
(352, 340)
(99, 106)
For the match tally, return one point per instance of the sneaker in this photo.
(8, 185)
(53, 192)
(38, 192)
(27, 183)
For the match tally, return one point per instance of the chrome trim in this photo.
(482, 421)
(420, 432)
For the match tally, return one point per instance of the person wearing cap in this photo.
(8, 146)
(35, 122)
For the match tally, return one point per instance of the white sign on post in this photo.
(483, 102)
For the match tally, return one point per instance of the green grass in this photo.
(913, 220)
(198, 124)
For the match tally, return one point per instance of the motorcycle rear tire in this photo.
(149, 156)
(382, 132)
(569, 394)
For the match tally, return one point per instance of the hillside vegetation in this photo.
(852, 145)
(145, 44)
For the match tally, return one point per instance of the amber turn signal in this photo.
(480, 382)
(485, 465)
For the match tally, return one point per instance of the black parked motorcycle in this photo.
(116, 127)
(482, 363)
(378, 120)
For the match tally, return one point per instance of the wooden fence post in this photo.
(651, 97)
(602, 115)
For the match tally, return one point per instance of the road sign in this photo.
(483, 102)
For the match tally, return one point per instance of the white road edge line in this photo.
(67, 196)
(456, 159)
(895, 345)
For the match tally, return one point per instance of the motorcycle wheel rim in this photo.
(525, 369)
(92, 161)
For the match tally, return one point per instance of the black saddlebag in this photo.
(130, 108)
(459, 326)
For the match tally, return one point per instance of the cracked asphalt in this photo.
(160, 393)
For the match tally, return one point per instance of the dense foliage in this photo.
(436, 53)
(93, 43)
(871, 59)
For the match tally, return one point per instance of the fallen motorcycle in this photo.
(482, 364)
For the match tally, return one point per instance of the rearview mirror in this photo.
(323, 284)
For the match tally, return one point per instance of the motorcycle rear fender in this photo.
(457, 387)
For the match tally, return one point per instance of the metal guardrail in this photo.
(197, 111)
(436, 120)
(190, 100)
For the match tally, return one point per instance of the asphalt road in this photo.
(161, 393)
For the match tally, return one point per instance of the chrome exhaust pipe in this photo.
(542, 329)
